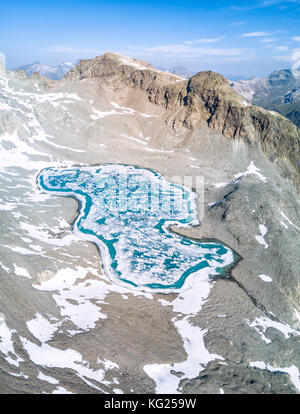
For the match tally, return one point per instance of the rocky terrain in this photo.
(279, 92)
(64, 326)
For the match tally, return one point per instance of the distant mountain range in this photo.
(188, 73)
(181, 71)
(279, 92)
(51, 72)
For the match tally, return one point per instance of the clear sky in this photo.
(249, 38)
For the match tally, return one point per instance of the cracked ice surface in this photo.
(125, 211)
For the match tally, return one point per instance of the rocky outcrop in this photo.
(206, 97)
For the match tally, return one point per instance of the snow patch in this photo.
(41, 328)
(292, 371)
(263, 231)
(262, 324)
(21, 271)
(265, 278)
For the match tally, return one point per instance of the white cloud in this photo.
(287, 58)
(257, 34)
(282, 48)
(293, 57)
(238, 23)
(259, 4)
(204, 40)
(296, 38)
(185, 49)
(240, 59)
(296, 55)
(2, 59)
(296, 64)
(270, 40)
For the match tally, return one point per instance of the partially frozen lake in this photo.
(126, 211)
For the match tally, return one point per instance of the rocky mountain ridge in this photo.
(206, 97)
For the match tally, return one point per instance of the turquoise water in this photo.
(126, 211)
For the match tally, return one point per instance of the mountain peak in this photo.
(113, 64)
(210, 78)
(128, 61)
(281, 77)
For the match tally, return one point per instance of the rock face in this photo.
(206, 97)
(290, 110)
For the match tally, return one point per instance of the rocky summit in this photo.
(65, 324)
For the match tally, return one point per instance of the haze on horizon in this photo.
(249, 40)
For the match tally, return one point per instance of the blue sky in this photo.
(250, 38)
